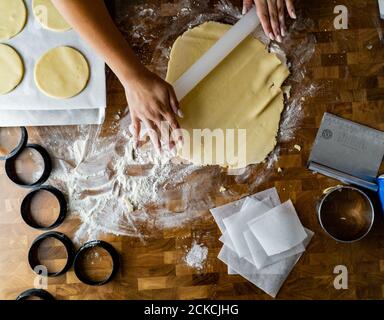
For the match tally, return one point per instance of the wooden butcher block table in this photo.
(347, 67)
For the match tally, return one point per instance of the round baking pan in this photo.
(83, 250)
(20, 146)
(35, 293)
(346, 213)
(10, 167)
(25, 208)
(67, 243)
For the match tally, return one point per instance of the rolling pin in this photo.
(217, 53)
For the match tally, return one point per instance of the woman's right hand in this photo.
(151, 101)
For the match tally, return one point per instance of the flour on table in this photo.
(196, 256)
(109, 183)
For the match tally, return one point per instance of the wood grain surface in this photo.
(348, 68)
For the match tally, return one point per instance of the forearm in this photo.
(90, 18)
(151, 100)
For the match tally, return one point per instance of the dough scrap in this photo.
(243, 92)
(13, 15)
(11, 69)
(62, 73)
(48, 16)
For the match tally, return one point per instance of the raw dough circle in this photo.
(48, 16)
(13, 16)
(242, 92)
(62, 73)
(11, 69)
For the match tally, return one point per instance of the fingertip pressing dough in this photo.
(242, 92)
(62, 73)
(13, 15)
(11, 69)
(48, 16)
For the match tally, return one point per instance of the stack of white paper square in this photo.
(263, 239)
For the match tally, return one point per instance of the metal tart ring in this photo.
(25, 208)
(39, 293)
(32, 254)
(89, 245)
(13, 176)
(21, 145)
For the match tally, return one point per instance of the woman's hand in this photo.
(272, 15)
(152, 101)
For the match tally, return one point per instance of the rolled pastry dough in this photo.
(13, 16)
(11, 69)
(49, 17)
(62, 72)
(243, 92)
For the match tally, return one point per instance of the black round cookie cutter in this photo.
(25, 208)
(87, 246)
(37, 293)
(32, 254)
(10, 167)
(21, 145)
